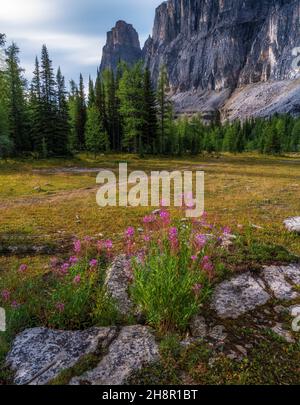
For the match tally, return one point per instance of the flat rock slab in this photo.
(39, 355)
(134, 348)
(117, 284)
(282, 280)
(238, 296)
(293, 224)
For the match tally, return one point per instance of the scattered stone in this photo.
(280, 309)
(198, 327)
(189, 341)
(295, 311)
(39, 355)
(227, 240)
(275, 279)
(293, 224)
(134, 348)
(232, 355)
(236, 297)
(280, 331)
(218, 333)
(242, 350)
(117, 284)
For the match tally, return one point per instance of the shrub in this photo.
(173, 273)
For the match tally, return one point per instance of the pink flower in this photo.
(93, 263)
(23, 268)
(77, 279)
(226, 230)
(129, 233)
(200, 241)
(77, 246)
(73, 260)
(194, 258)
(60, 306)
(108, 244)
(146, 238)
(5, 294)
(65, 268)
(149, 219)
(165, 216)
(15, 305)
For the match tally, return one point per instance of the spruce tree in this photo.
(62, 132)
(48, 103)
(96, 137)
(81, 115)
(36, 111)
(150, 115)
(16, 100)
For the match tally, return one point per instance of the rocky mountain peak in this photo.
(122, 44)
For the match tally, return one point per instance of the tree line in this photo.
(118, 112)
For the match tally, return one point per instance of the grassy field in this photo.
(47, 203)
(50, 202)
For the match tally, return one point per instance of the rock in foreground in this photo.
(39, 355)
(134, 348)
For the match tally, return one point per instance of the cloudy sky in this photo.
(74, 30)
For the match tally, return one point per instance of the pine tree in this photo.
(92, 98)
(150, 115)
(131, 98)
(96, 137)
(111, 108)
(62, 132)
(48, 103)
(295, 138)
(36, 111)
(16, 100)
(81, 115)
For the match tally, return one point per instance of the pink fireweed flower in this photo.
(77, 246)
(226, 230)
(77, 279)
(149, 219)
(208, 266)
(87, 239)
(146, 238)
(129, 233)
(60, 306)
(73, 260)
(23, 268)
(200, 241)
(108, 244)
(194, 258)
(93, 263)
(165, 218)
(5, 294)
(197, 289)
(173, 237)
(65, 268)
(15, 305)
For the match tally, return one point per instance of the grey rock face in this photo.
(275, 278)
(134, 348)
(117, 284)
(284, 334)
(238, 296)
(122, 45)
(212, 48)
(39, 355)
(293, 224)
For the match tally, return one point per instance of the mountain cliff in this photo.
(122, 44)
(237, 56)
